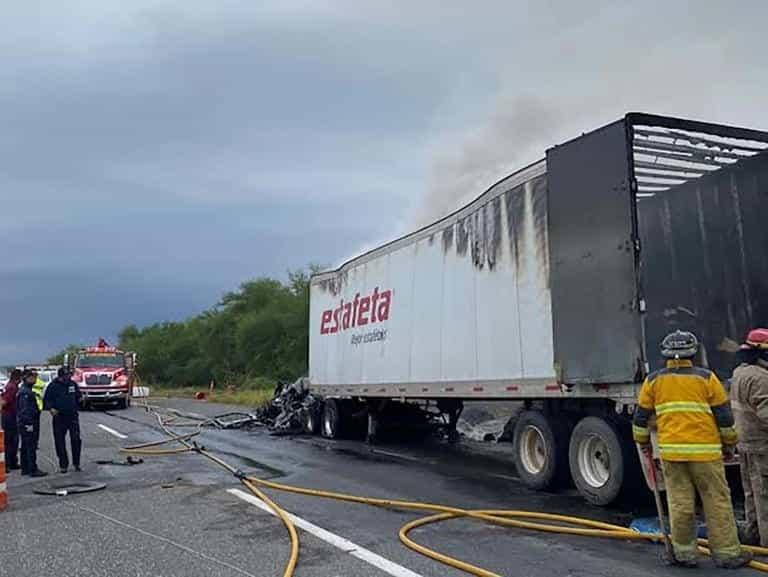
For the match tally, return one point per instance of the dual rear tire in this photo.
(551, 453)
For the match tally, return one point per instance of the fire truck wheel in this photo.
(122, 404)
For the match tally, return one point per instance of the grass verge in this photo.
(244, 397)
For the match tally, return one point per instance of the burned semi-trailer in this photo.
(554, 287)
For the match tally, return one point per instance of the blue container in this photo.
(651, 525)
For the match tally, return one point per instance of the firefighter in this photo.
(749, 399)
(62, 399)
(9, 421)
(695, 430)
(28, 420)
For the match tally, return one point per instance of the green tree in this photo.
(256, 333)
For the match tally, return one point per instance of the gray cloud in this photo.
(158, 153)
(587, 65)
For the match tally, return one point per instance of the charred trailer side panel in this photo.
(705, 244)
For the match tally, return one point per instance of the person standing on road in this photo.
(28, 420)
(62, 399)
(695, 429)
(749, 399)
(9, 421)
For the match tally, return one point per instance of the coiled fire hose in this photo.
(530, 520)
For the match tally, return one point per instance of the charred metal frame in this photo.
(702, 259)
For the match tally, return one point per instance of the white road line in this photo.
(385, 565)
(113, 432)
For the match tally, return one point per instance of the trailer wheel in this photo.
(331, 426)
(540, 450)
(311, 420)
(598, 460)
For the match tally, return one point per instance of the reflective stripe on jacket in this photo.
(693, 416)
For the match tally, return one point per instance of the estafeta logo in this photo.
(372, 308)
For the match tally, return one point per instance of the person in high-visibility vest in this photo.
(38, 388)
(695, 430)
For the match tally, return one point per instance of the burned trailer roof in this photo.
(668, 152)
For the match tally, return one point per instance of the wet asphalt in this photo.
(174, 517)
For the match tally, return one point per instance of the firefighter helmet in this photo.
(757, 339)
(679, 345)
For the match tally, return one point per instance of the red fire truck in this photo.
(104, 373)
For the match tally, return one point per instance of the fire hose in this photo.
(529, 520)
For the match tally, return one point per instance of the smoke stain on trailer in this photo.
(514, 202)
(479, 238)
(538, 190)
(334, 284)
(481, 233)
(463, 232)
(448, 238)
(493, 231)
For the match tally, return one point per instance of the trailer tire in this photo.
(598, 459)
(541, 451)
(312, 418)
(331, 423)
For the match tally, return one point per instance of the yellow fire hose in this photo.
(530, 520)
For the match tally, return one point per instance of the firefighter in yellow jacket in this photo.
(695, 427)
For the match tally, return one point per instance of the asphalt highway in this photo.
(180, 516)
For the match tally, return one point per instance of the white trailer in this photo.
(552, 287)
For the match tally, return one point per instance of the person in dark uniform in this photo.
(28, 421)
(62, 399)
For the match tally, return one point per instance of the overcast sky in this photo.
(155, 154)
